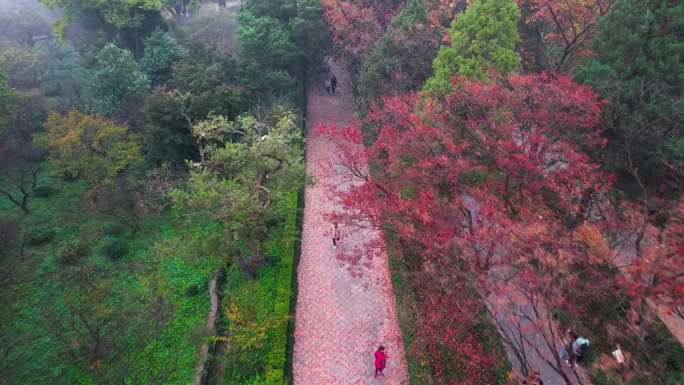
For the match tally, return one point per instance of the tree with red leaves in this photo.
(649, 253)
(482, 182)
(568, 26)
(357, 24)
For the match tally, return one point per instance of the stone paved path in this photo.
(340, 318)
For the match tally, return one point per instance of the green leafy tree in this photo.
(481, 38)
(237, 180)
(20, 115)
(266, 40)
(281, 42)
(7, 96)
(639, 69)
(127, 22)
(118, 82)
(64, 77)
(161, 50)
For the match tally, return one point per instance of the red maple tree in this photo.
(357, 24)
(482, 183)
(568, 26)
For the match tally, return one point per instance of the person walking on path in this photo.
(567, 348)
(380, 361)
(327, 86)
(333, 83)
(579, 349)
(335, 235)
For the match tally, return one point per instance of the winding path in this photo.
(340, 318)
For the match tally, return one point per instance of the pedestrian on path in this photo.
(536, 379)
(572, 337)
(333, 83)
(327, 86)
(380, 361)
(335, 235)
(579, 348)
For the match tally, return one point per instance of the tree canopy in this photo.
(481, 38)
(639, 68)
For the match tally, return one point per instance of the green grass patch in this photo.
(135, 287)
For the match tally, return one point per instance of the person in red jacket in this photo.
(380, 361)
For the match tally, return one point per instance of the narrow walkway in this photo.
(341, 318)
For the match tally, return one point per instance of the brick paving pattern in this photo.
(341, 318)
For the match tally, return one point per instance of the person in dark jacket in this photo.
(333, 83)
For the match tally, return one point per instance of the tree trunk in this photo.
(210, 329)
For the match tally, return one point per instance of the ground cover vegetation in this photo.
(148, 149)
(532, 168)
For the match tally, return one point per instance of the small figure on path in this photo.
(327, 86)
(567, 348)
(619, 356)
(333, 83)
(380, 361)
(335, 235)
(579, 349)
(536, 379)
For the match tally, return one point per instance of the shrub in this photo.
(9, 232)
(114, 248)
(113, 229)
(39, 235)
(44, 191)
(70, 251)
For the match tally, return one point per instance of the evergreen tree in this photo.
(639, 69)
(482, 38)
(118, 81)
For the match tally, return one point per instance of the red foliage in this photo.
(357, 24)
(482, 183)
(571, 24)
(652, 256)
(492, 166)
(449, 319)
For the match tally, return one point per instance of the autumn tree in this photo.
(402, 60)
(647, 251)
(354, 25)
(481, 38)
(104, 154)
(484, 184)
(567, 27)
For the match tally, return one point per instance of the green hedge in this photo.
(276, 369)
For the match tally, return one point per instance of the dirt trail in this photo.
(340, 318)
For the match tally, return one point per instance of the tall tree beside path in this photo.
(480, 39)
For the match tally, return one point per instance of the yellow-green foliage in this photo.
(90, 147)
(482, 38)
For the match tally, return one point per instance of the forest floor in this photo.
(341, 317)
